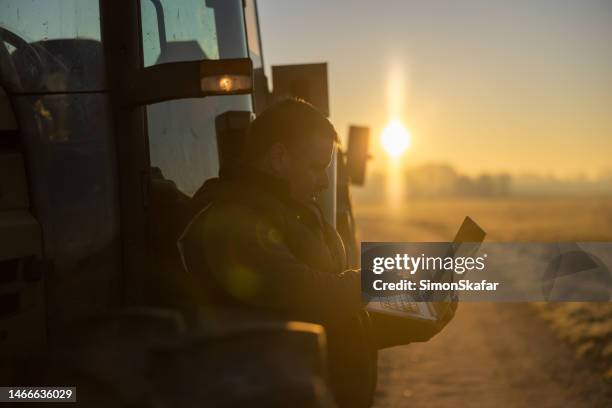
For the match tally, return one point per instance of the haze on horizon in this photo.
(484, 85)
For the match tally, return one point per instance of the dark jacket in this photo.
(253, 246)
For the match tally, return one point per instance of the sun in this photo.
(395, 138)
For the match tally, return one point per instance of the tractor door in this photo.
(60, 163)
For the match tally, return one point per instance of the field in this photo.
(543, 219)
(585, 328)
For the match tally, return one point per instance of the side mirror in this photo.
(306, 81)
(357, 154)
(189, 79)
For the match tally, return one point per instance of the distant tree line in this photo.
(443, 180)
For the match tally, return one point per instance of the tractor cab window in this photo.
(51, 46)
(52, 67)
(182, 134)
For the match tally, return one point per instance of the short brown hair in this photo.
(287, 122)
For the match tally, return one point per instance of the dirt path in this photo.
(491, 355)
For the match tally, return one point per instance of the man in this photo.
(262, 240)
(261, 243)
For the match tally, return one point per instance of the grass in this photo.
(585, 326)
(538, 219)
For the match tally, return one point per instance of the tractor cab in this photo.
(112, 116)
(99, 102)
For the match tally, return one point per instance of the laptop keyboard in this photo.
(400, 303)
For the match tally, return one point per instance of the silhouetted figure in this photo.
(261, 243)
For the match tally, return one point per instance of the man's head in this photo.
(293, 141)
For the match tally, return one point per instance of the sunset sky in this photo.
(485, 85)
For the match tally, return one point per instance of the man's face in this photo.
(306, 167)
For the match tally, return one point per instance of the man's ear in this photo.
(278, 159)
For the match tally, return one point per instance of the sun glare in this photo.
(395, 139)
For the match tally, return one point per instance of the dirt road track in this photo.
(491, 355)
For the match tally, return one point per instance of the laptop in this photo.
(419, 305)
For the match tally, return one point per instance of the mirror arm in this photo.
(188, 79)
